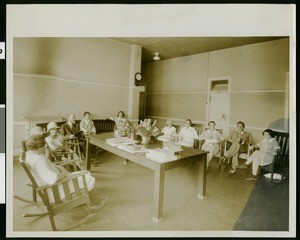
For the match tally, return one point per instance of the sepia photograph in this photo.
(126, 123)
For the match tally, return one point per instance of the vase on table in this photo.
(145, 140)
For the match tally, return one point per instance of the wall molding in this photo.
(156, 93)
(256, 128)
(175, 119)
(258, 91)
(234, 91)
(56, 78)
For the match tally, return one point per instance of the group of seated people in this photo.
(44, 147)
(240, 142)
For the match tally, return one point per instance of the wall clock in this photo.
(138, 78)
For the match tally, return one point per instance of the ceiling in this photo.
(173, 47)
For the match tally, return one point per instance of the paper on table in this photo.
(126, 147)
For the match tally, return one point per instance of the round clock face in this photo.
(138, 76)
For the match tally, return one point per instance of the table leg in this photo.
(158, 200)
(88, 153)
(202, 177)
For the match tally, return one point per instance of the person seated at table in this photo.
(266, 150)
(211, 138)
(57, 143)
(87, 125)
(69, 131)
(240, 140)
(122, 124)
(45, 172)
(169, 129)
(187, 134)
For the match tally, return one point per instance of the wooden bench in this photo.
(101, 125)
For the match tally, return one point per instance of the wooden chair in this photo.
(70, 200)
(202, 140)
(71, 165)
(281, 161)
(198, 128)
(242, 155)
(56, 158)
(177, 128)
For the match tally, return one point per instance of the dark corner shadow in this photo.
(280, 125)
(267, 208)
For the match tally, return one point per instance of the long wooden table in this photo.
(159, 168)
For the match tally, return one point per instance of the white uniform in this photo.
(187, 136)
(168, 130)
(210, 144)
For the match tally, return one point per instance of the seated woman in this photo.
(56, 141)
(122, 124)
(211, 139)
(45, 172)
(87, 125)
(48, 153)
(169, 129)
(187, 134)
(266, 151)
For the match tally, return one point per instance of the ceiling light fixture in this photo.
(156, 57)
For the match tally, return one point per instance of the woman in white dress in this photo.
(266, 151)
(122, 125)
(211, 139)
(169, 129)
(187, 134)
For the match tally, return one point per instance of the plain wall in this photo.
(177, 88)
(59, 76)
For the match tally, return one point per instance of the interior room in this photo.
(224, 79)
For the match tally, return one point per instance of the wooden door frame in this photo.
(210, 80)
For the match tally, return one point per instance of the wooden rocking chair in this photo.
(70, 200)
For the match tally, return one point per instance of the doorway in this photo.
(219, 103)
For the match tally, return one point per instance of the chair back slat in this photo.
(281, 161)
(56, 195)
(198, 127)
(76, 187)
(67, 191)
(24, 148)
(283, 140)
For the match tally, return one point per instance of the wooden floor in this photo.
(129, 189)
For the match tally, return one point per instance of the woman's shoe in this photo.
(232, 171)
(254, 178)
